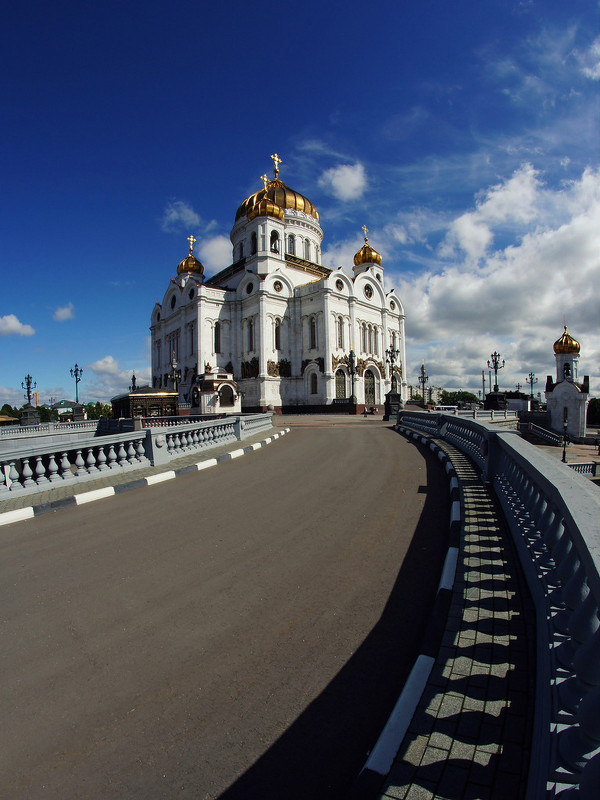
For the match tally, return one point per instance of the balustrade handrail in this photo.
(553, 514)
(42, 462)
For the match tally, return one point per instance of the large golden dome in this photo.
(279, 195)
(566, 345)
(190, 263)
(264, 207)
(366, 254)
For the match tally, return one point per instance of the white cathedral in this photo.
(289, 331)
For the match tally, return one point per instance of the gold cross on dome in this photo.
(191, 240)
(365, 231)
(277, 161)
(265, 180)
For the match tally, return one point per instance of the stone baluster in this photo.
(101, 460)
(195, 439)
(579, 743)
(65, 467)
(131, 454)
(170, 444)
(90, 462)
(3, 486)
(574, 593)
(140, 451)
(13, 477)
(177, 443)
(584, 628)
(121, 455)
(53, 475)
(80, 464)
(27, 473)
(40, 471)
(564, 572)
(111, 457)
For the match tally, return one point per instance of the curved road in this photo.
(241, 632)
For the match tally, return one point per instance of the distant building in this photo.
(567, 397)
(277, 320)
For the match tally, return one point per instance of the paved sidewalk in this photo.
(470, 735)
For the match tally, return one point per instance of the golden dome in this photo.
(279, 195)
(190, 263)
(366, 254)
(265, 207)
(566, 345)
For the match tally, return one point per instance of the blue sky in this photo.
(464, 134)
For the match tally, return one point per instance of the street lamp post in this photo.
(28, 384)
(76, 373)
(175, 374)
(495, 365)
(352, 368)
(531, 380)
(564, 454)
(423, 378)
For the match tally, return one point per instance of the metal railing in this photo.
(553, 514)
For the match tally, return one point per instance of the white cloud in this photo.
(11, 326)
(178, 216)
(513, 298)
(589, 60)
(108, 378)
(215, 253)
(346, 182)
(63, 313)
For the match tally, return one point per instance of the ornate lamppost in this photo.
(565, 426)
(393, 399)
(175, 374)
(495, 365)
(28, 384)
(531, 380)
(352, 368)
(76, 373)
(423, 378)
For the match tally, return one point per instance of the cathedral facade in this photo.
(292, 332)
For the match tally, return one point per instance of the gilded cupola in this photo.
(190, 263)
(566, 345)
(280, 196)
(366, 254)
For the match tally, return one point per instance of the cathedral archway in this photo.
(226, 396)
(340, 385)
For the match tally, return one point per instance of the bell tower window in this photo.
(291, 248)
(253, 243)
(274, 242)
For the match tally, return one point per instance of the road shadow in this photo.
(324, 749)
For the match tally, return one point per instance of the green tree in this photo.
(9, 411)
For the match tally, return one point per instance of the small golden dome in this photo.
(280, 195)
(190, 263)
(366, 254)
(566, 345)
(265, 207)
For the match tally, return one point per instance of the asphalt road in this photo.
(242, 632)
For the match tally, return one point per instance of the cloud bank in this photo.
(10, 325)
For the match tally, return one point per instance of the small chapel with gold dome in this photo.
(290, 332)
(567, 396)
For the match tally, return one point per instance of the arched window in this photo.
(369, 388)
(277, 334)
(314, 385)
(291, 245)
(364, 337)
(340, 384)
(393, 340)
(376, 341)
(250, 335)
(217, 337)
(274, 242)
(370, 350)
(340, 333)
(307, 249)
(312, 344)
(253, 242)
